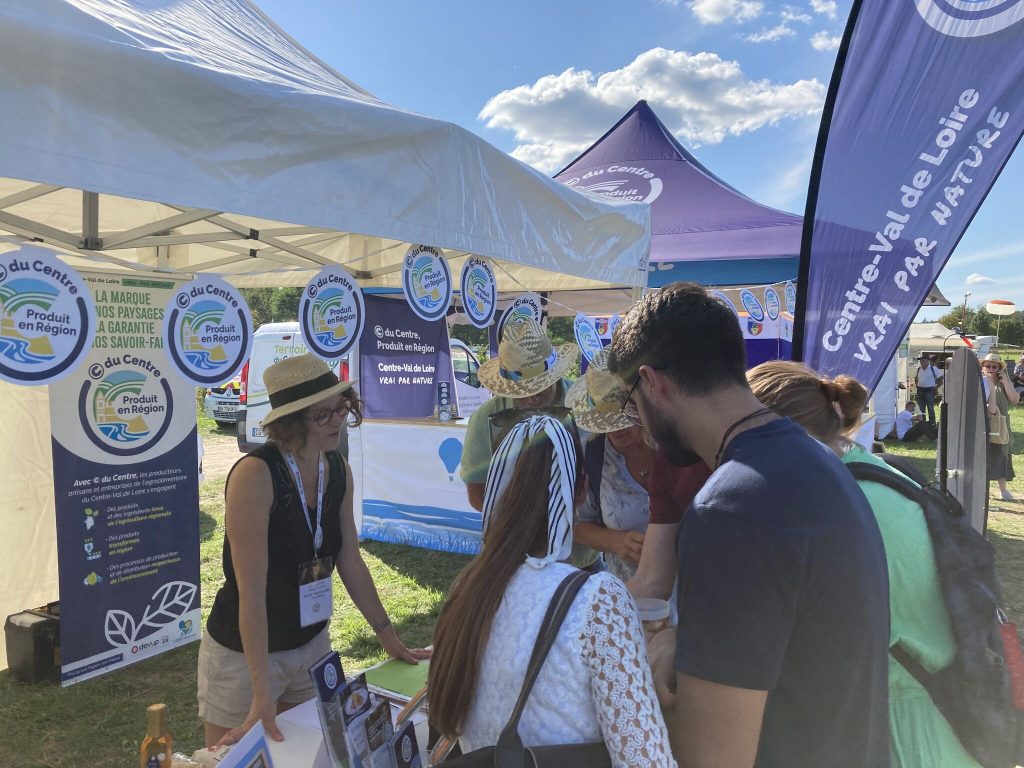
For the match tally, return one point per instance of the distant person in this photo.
(289, 526)
(927, 379)
(781, 653)
(595, 684)
(526, 375)
(830, 410)
(911, 426)
(999, 396)
(1018, 375)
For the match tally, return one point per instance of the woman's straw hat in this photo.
(992, 357)
(297, 382)
(596, 398)
(526, 363)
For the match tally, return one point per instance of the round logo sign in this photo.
(970, 18)
(622, 182)
(208, 330)
(47, 317)
(331, 313)
(586, 336)
(479, 291)
(427, 282)
(525, 305)
(125, 404)
(772, 303)
(790, 292)
(725, 300)
(752, 305)
(331, 676)
(613, 323)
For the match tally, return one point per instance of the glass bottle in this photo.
(156, 747)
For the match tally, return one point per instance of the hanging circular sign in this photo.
(613, 323)
(524, 305)
(331, 313)
(725, 300)
(479, 291)
(47, 317)
(427, 282)
(790, 292)
(752, 305)
(772, 303)
(208, 331)
(126, 404)
(586, 336)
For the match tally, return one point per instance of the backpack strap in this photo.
(509, 744)
(593, 460)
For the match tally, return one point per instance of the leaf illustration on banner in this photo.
(170, 603)
(120, 628)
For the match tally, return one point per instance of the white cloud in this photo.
(700, 97)
(823, 41)
(717, 11)
(975, 279)
(827, 7)
(789, 13)
(770, 35)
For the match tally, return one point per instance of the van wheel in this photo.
(225, 424)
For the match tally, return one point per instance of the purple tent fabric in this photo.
(695, 216)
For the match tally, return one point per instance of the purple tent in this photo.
(701, 228)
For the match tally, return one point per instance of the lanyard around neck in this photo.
(318, 534)
(732, 428)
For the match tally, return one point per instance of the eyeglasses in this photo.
(324, 415)
(630, 409)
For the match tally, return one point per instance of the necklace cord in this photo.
(732, 428)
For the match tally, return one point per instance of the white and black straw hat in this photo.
(298, 382)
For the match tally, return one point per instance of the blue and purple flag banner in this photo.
(925, 107)
(402, 357)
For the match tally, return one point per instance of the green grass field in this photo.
(100, 722)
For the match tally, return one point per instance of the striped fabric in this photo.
(560, 485)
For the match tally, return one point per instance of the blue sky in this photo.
(740, 82)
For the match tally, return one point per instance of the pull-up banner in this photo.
(925, 107)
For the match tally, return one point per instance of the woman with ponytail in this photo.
(830, 410)
(596, 683)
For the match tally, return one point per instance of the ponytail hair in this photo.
(829, 409)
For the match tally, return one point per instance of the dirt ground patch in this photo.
(221, 452)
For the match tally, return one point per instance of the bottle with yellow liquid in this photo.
(156, 747)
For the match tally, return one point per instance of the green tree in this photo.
(984, 324)
(285, 304)
(258, 300)
(1011, 331)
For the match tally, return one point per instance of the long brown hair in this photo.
(827, 408)
(519, 527)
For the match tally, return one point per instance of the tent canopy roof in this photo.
(695, 216)
(195, 135)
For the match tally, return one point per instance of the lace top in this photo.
(595, 684)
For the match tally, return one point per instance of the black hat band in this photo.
(306, 389)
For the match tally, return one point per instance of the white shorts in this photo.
(225, 689)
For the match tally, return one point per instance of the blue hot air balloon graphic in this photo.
(450, 452)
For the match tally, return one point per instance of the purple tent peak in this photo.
(695, 216)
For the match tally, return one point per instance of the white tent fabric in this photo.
(195, 135)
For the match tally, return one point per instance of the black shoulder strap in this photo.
(557, 610)
(593, 460)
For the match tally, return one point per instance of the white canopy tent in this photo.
(184, 136)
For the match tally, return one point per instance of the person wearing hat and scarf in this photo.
(999, 395)
(289, 525)
(927, 380)
(526, 375)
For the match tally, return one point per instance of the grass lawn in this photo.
(100, 722)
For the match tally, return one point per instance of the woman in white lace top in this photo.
(596, 683)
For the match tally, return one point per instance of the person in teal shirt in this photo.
(526, 375)
(830, 410)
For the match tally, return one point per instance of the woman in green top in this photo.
(830, 409)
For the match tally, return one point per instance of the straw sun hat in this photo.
(297, 382)
(992, 357)
(526, 363)
(596, 398)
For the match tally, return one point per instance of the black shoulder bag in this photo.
(509, 752)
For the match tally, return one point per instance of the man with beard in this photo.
(781, 654)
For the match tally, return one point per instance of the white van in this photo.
(273, 342)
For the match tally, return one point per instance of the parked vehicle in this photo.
(470, 392)
(221, 403)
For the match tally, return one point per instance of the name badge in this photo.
(316, 599)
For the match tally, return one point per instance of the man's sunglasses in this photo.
(629, 408)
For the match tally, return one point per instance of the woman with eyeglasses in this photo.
(289, 525)
(1000, 394)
